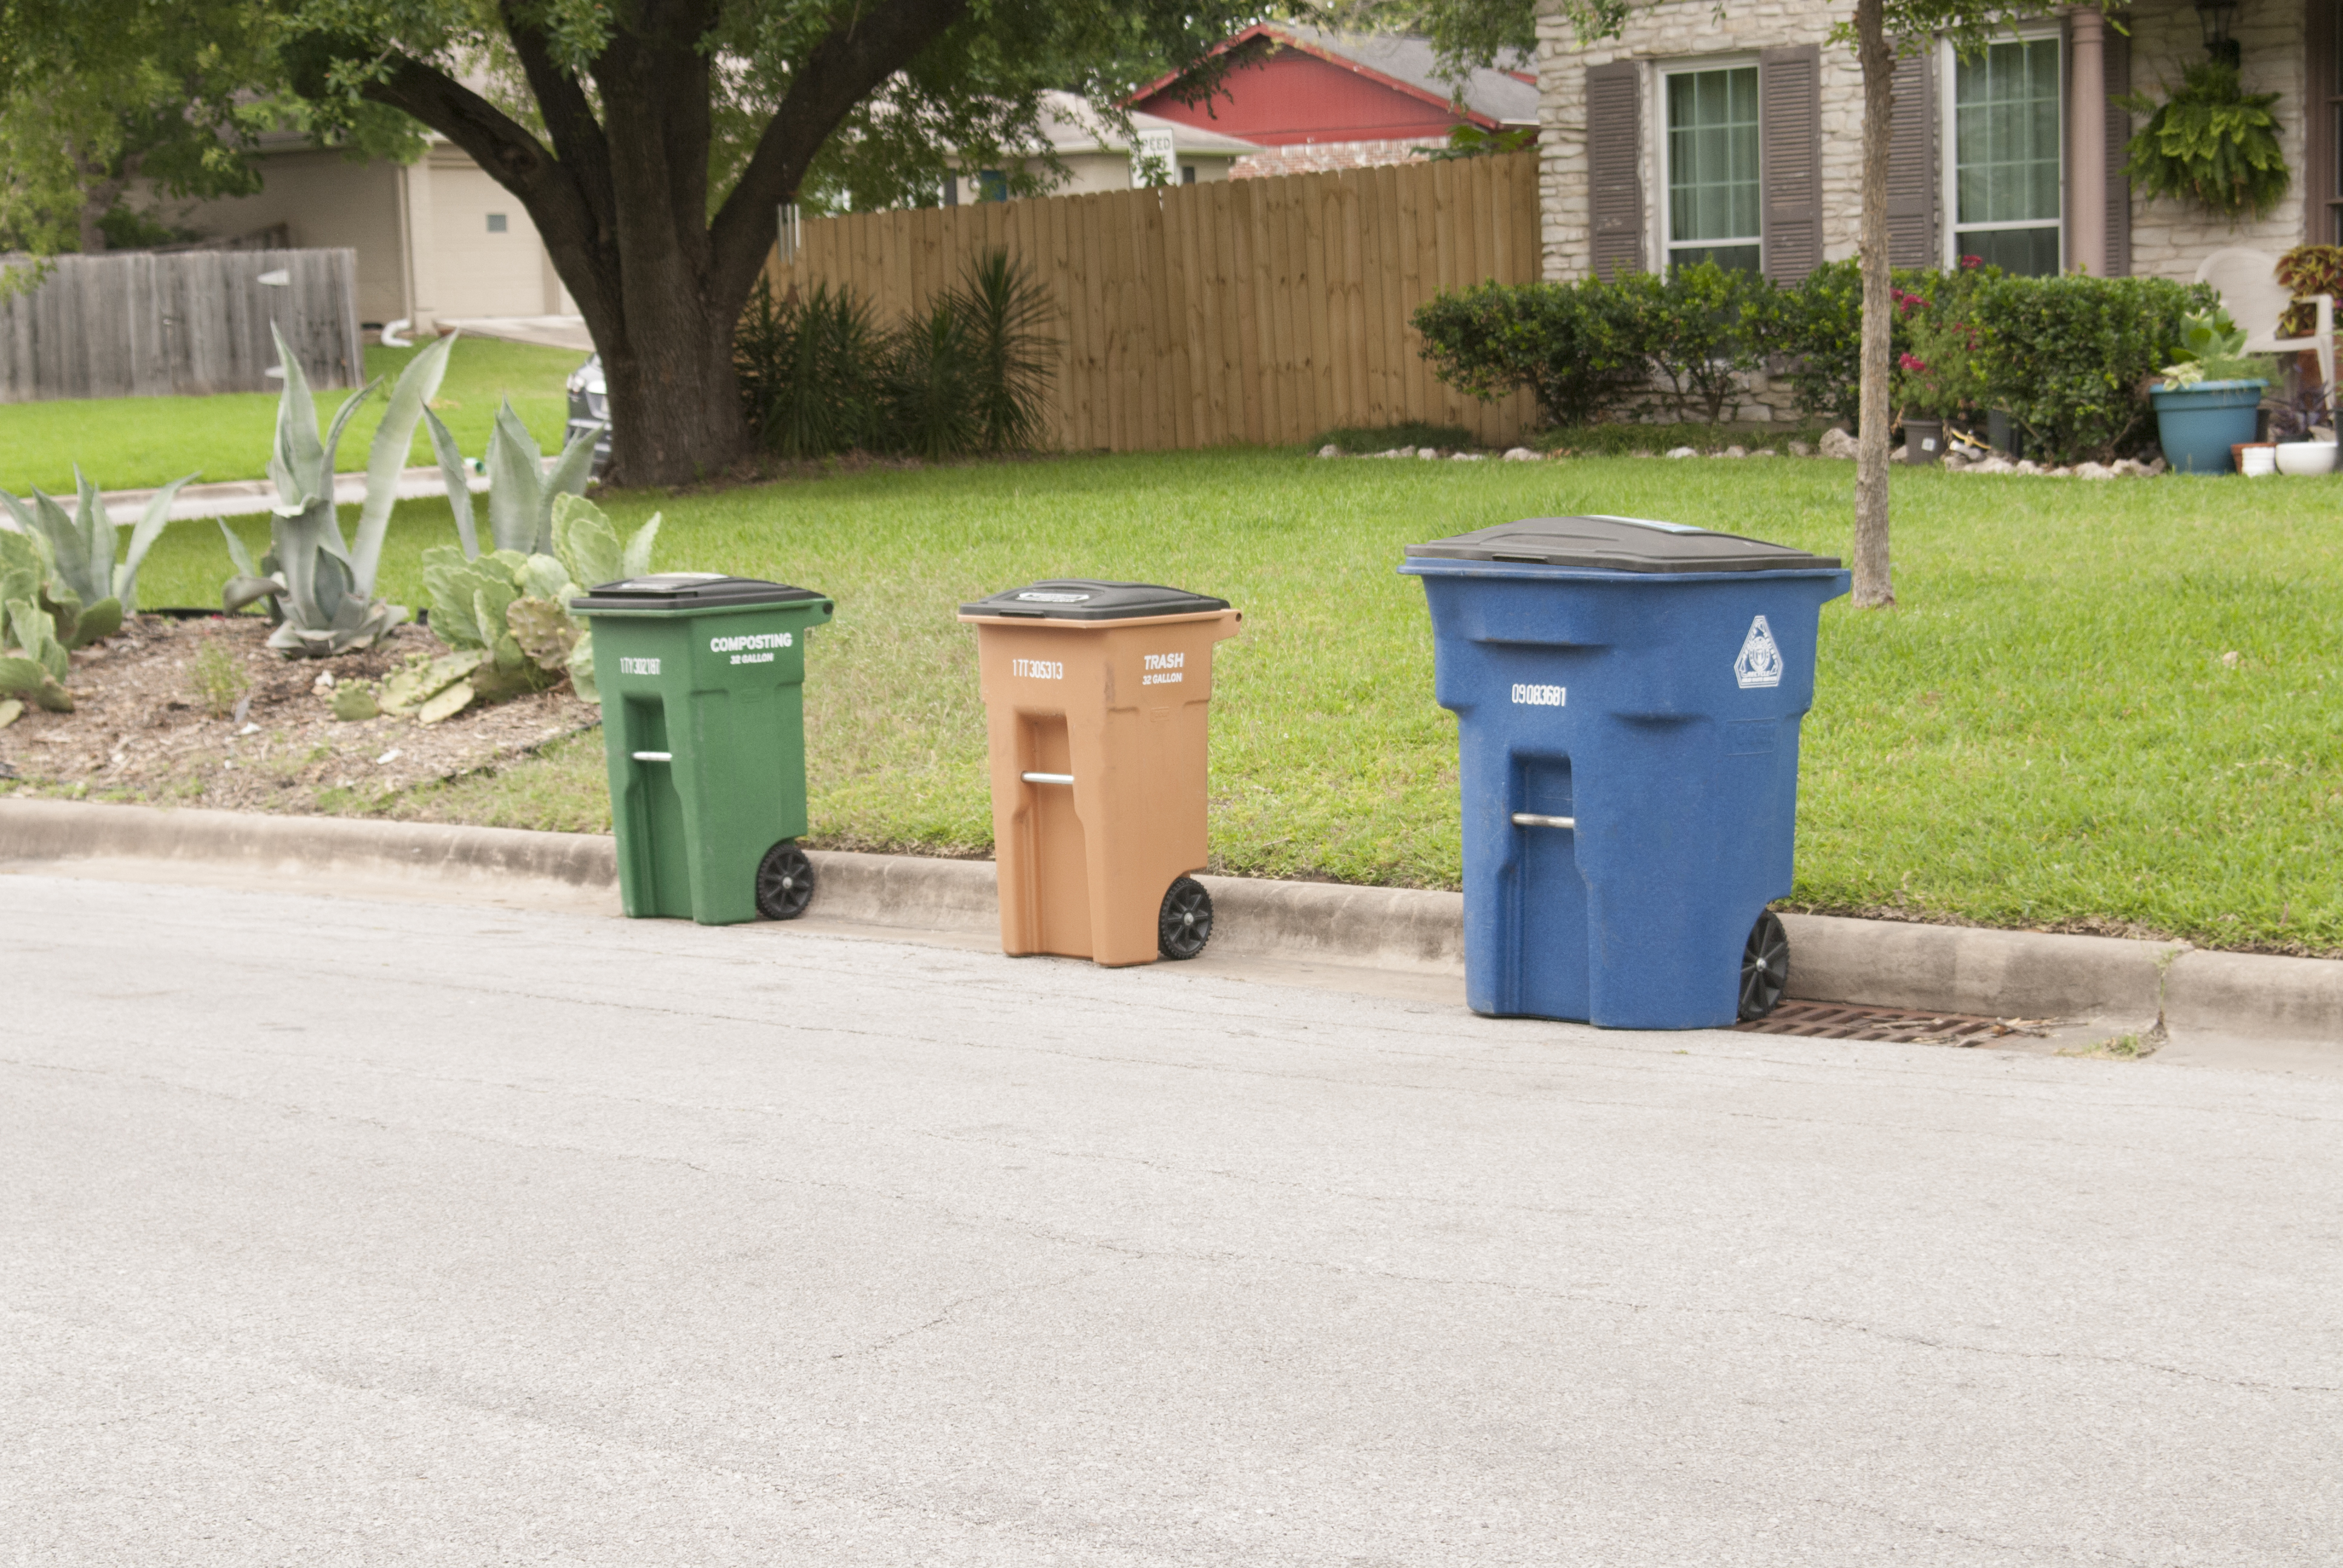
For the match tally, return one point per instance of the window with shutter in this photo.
(2322, 216)
(2008, 157)
(2117, 49)
(1789, 90)
(1912, 167)
(1713, 166)
(1613, 173)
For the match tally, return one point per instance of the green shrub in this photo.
(1818, 329)
(2070, 357)
(1570, 344)
(1360, 440)
(1697, 329)
(1939, 373)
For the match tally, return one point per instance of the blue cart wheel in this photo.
(784, 882)
(1185, 922)
(1764, 967)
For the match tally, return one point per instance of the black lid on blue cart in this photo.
(683, 592)
(1621, 544)
(1085, 599)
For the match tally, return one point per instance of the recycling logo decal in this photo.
(1760, 663)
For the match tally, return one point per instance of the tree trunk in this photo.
(618, 191)
(1875, 587)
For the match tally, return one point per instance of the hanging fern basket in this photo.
(2210, 143)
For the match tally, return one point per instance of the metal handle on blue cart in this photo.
(1048, 778)
(1532, 819)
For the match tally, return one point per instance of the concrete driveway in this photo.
(340, 1231)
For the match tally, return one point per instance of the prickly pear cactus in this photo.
(447, 704)
(541, 627)
(410, 688)
(34, 632)
(355, 700)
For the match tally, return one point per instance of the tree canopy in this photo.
(96, 95)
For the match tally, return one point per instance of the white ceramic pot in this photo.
(2307, 457)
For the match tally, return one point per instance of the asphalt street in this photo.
(366, 1233)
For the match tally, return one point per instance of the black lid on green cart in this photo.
(1085, 599)
(1621, 544)
(683, 592)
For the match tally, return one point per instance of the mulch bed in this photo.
(142, 731)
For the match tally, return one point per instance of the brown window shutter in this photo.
(1790, 158)
(1614, 178)
(2118, 71)
(1912, 165)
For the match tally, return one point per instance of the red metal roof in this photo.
(1289, 90)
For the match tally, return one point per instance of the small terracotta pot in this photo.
(2261, 465)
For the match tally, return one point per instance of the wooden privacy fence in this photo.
(149, 325)
(1259, 310)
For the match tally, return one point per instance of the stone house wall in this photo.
(2167, 239)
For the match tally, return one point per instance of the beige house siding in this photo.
(425, 250)
(325, 201)
(477, 270)
(1088, 174)
(2167, 239)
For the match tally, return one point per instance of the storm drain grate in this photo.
(1843, 1020)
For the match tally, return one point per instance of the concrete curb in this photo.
(2127, 984)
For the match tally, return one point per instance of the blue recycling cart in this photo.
(1627, 695)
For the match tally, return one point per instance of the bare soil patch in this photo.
(142, 731)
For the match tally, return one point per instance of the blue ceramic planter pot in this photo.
(2197, 426)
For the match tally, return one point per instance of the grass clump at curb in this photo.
(137, 443)
(2049, 733)
(561, 788)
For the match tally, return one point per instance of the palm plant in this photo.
(321, 585)
(810, 371)
(1010, 355)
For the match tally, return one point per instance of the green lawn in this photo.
(135, 442)
(2050, 731)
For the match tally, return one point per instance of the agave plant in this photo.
(521, 490)
(513, 610)
(321, 586)
(87, 592)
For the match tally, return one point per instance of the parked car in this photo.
(589, 405)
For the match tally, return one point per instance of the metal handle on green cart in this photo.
(1532, 819)
(654, 756)
(1049, 777)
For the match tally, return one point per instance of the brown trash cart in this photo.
(1095, 696)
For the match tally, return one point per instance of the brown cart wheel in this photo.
(1764, 967)
(784, 882)
(1185, 922)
